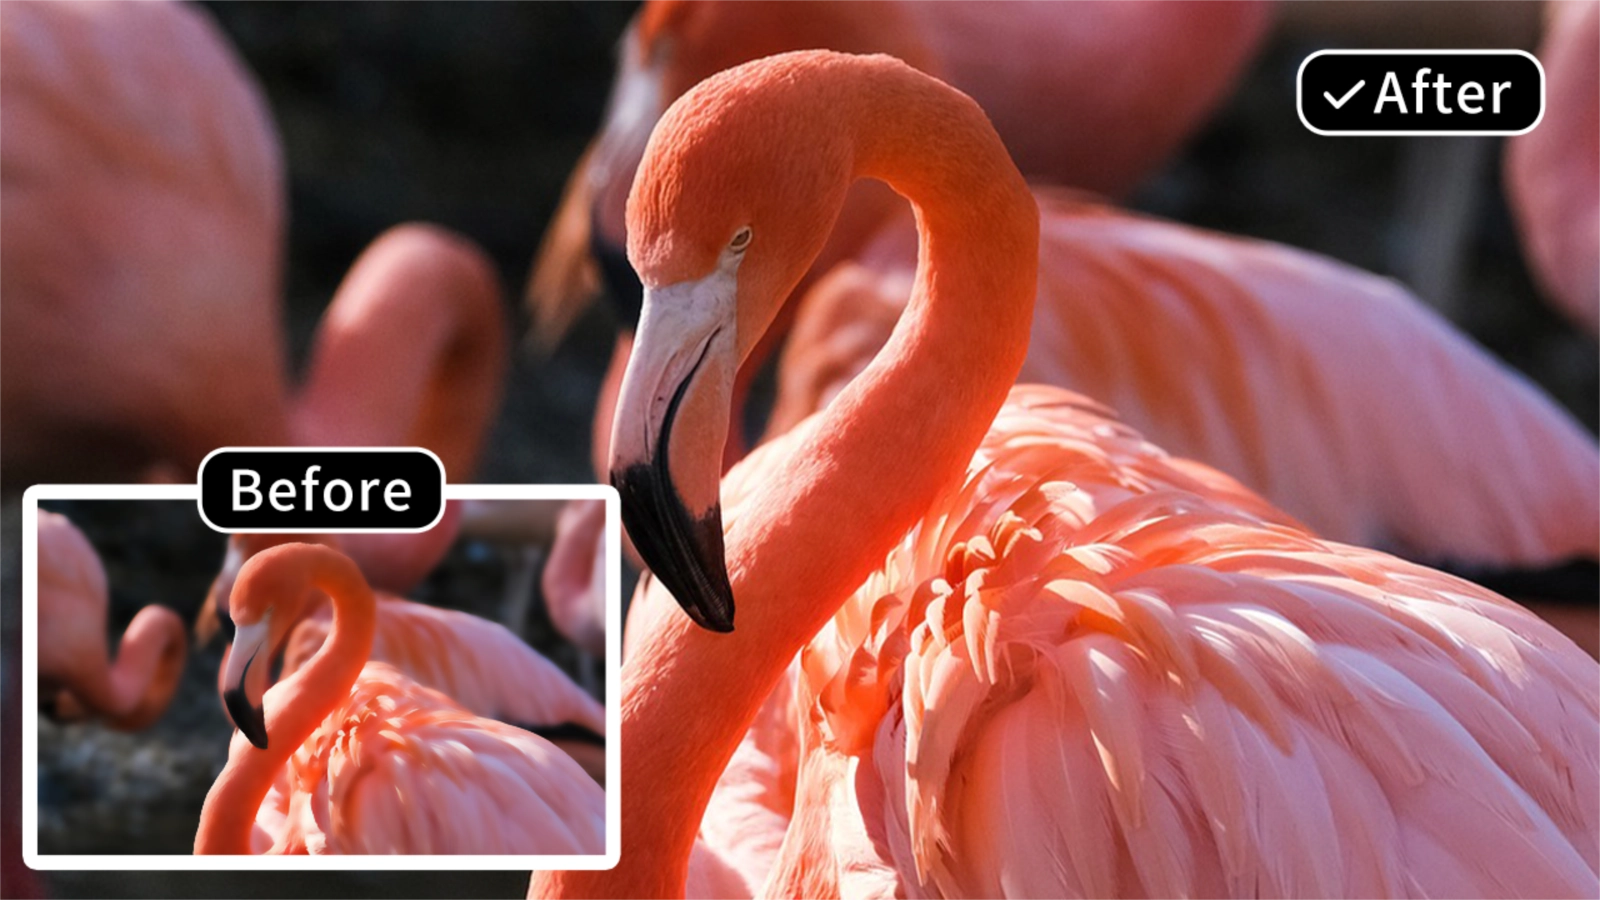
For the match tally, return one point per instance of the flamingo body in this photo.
(1275, 365)
(74, 665)
(971, 709)
(142, 235)
(393, 747)
(478, 664)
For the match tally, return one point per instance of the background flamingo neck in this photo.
(295, 706)
(149, 663)
(411, 352)
(896, 437)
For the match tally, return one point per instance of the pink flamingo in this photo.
(1038, 656)
(367, 761)
(75, 671)
(480, 665)
(1552, 179)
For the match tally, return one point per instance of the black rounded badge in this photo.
(1420, 92)
(321, 489)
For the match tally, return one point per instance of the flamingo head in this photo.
(240, 548)
(267, 599)
(740, 185)
(244, 677)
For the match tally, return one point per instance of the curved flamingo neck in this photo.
(298, 704)
(882, 452)
(149, 663)
(410, 352)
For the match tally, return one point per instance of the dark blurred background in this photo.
(472, 114)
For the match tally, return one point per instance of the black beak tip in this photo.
(683, 551)
(251, 720)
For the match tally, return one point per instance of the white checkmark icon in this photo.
(1348, 94)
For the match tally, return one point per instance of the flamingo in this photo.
(1552, 179)
(1037, 655)
(75, 671)
(574, 580)
(367, 760)
(480, 665)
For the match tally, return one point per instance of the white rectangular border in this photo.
(176, 862)
(1299, 94)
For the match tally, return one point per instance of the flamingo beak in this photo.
(246, 672)
(666, 443)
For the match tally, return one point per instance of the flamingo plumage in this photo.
(76, 671)
(1275, 365)
(1038, 656)
(364, 759)
(1552, 179)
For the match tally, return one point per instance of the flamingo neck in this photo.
(149, 664)
(294, 707)
(897, 437)
(409, 353)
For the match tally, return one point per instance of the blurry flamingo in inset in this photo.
(574, 580)
(1138, 77)
(76, 673)
(479, 664)
(364, 759)
(142, 234)
(1553, 172)
(1038, 656)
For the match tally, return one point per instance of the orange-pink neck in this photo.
(412, 351)
(888, 445)
(298, 704)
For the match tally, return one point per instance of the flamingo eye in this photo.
(740, 241)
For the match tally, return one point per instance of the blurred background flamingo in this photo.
(1551, 176)
(76, 674)
(1179, 60)
(335, 731)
